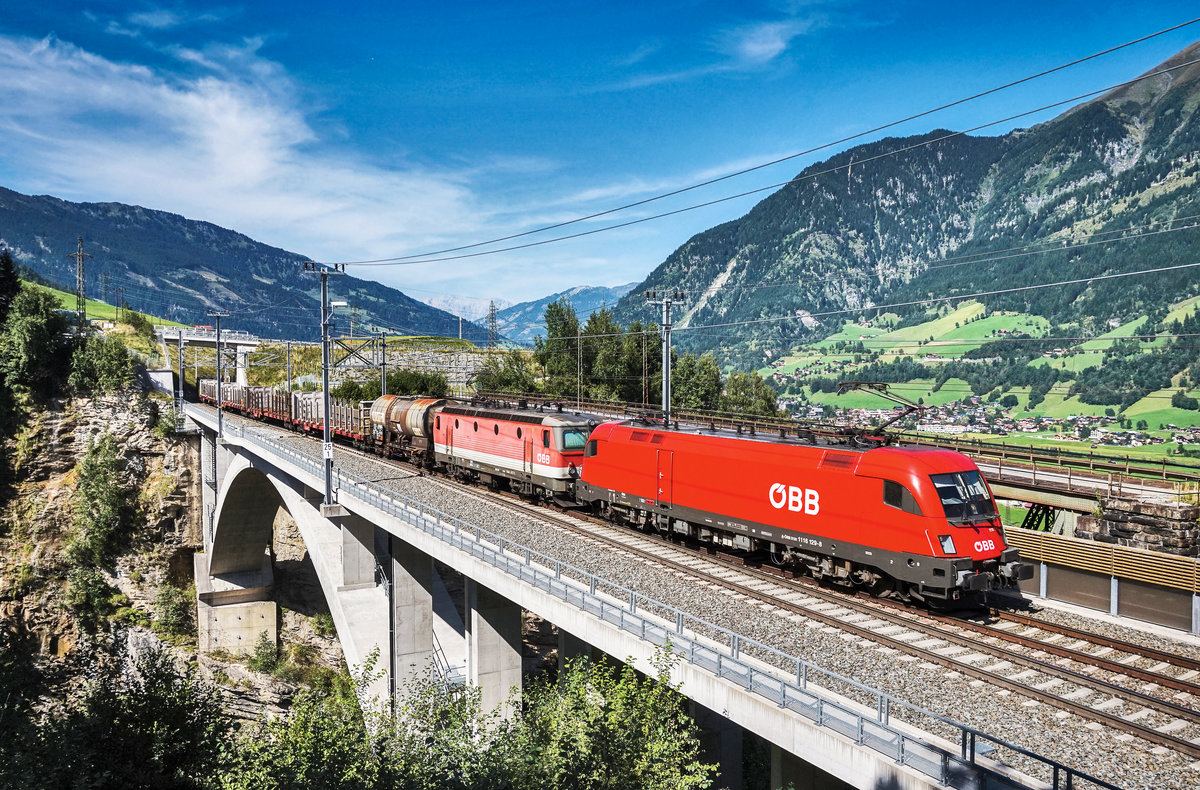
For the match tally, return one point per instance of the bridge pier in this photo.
(358, 553)
(571, 646)
(411, 613)
(494, 644)
(721, 743)
(232, 611)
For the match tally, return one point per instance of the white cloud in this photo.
(155, 19)
(225, 139)
(234, 150)
(762, 42)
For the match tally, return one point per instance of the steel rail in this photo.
(1183, 662)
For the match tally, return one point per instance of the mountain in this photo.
(908, 219)
(469, 307)
(523, 322)
(179, 268)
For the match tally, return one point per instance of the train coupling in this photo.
(972, 581)
(1016, 571)
(1012, 569)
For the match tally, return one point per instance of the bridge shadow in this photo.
(297, 586)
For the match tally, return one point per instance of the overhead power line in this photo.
(428, 257)
(779, 185)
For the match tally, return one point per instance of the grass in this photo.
(1181, 310)
(1156, 409)
(95, 309)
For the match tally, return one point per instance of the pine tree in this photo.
(10, 284)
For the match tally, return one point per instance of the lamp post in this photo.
(311, 267)
(219, 314)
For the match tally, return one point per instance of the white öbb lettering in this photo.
(543, 458)
(796, 499)
(985, 545)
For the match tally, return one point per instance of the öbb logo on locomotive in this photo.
(806, 500)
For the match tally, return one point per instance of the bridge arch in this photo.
(237, 567)
(244, 519)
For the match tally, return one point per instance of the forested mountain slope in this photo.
(180, 268)
(865, 229)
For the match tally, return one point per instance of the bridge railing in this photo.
(230, 336)
(785, 680)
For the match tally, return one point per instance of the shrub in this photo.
(323, 624)
(101, 504)
(174, 610)
(89, 595)
(266, 654)
(100, 366)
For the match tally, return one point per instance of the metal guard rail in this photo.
(722, 660)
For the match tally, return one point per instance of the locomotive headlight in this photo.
(947, 542)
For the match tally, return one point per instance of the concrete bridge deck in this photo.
(749, 684)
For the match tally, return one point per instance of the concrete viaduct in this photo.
(374, 554)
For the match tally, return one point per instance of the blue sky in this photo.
(396, 128)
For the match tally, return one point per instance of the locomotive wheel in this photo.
(883, 587)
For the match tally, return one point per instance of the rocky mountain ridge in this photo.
(925, 217)
(178, 268)
(524, 321)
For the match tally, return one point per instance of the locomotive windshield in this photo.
(573, 439)
(964, 497)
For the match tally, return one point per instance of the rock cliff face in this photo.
(157, 544)
(37, 522)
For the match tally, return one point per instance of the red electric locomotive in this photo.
(897, 521)
(537, 452)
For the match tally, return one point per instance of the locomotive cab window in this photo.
(545, 438)
(590, 449)
(965, 497)
(573, 440)
(897, 495)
